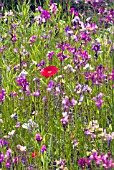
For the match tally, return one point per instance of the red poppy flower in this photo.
(34, 154)
(49, 71)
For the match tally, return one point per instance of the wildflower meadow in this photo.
(57, 86)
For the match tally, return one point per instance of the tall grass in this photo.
(62, 118)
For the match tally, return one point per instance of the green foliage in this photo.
(18, 54)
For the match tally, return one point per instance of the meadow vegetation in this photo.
(57, 87)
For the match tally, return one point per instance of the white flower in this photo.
(30, 125)
(21, 148)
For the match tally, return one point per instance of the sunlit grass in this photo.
(59, 117)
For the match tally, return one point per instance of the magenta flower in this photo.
(36, 93)
(83, 162)
(32, 39)
(98, 100)
(2, 96)
(43, 149)
(53, 8)
(38, 137)
(45, 14)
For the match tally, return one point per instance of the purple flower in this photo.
(67, 28)
(3, 48)
(3, 142)
(17, 125)
(38, 137)
(83, 162)
(8, 165)
(45, 14)
(53, 8)
(72, 10)
(38, 9)
(42, 63)
(98, 100)
(43, 149)
(111, 76)
(50, 55)
(32, 39)
(2, 156)
(8, 153)
(14, 38)
(15, 160)
(96, 47)
(73, 102)
(36, 93)
(61, 56)
(64, 119)
(2, 95)
(21, 81)
(51, 85)
(14, 116)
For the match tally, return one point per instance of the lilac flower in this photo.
(9, 13)
(15, 160)
(44, 99)
(98, 76)
(42, 63)
(98, 100)
(111, 75)
(80, 89)
(3, 48)
(89, 133)
(32, 39)
(53, 8)
(21, 81)
(1, 121)
(30, 125)
(63, 46)
(64, 119)
(3, 142)
(71, 10)
(75, 143)
(10, 134)
(21, 148)
(38, 9)
(83, 162)
(36, 93)
(69, 68)
(17, 124)
(85, 36)
(45, 14)
(73, 102)
(8, 153)
(8, 165)
(96, 47)
(2, 95)
(102, 160)
(39, 20)
(43, 149)
(14, 25)
(38, 137)
(14, 116)
(2, 156)
(14, 38)
(91, 27)
(67, 28)
(51, 85)
(66, 103)
(50, 55)
(61, 56)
